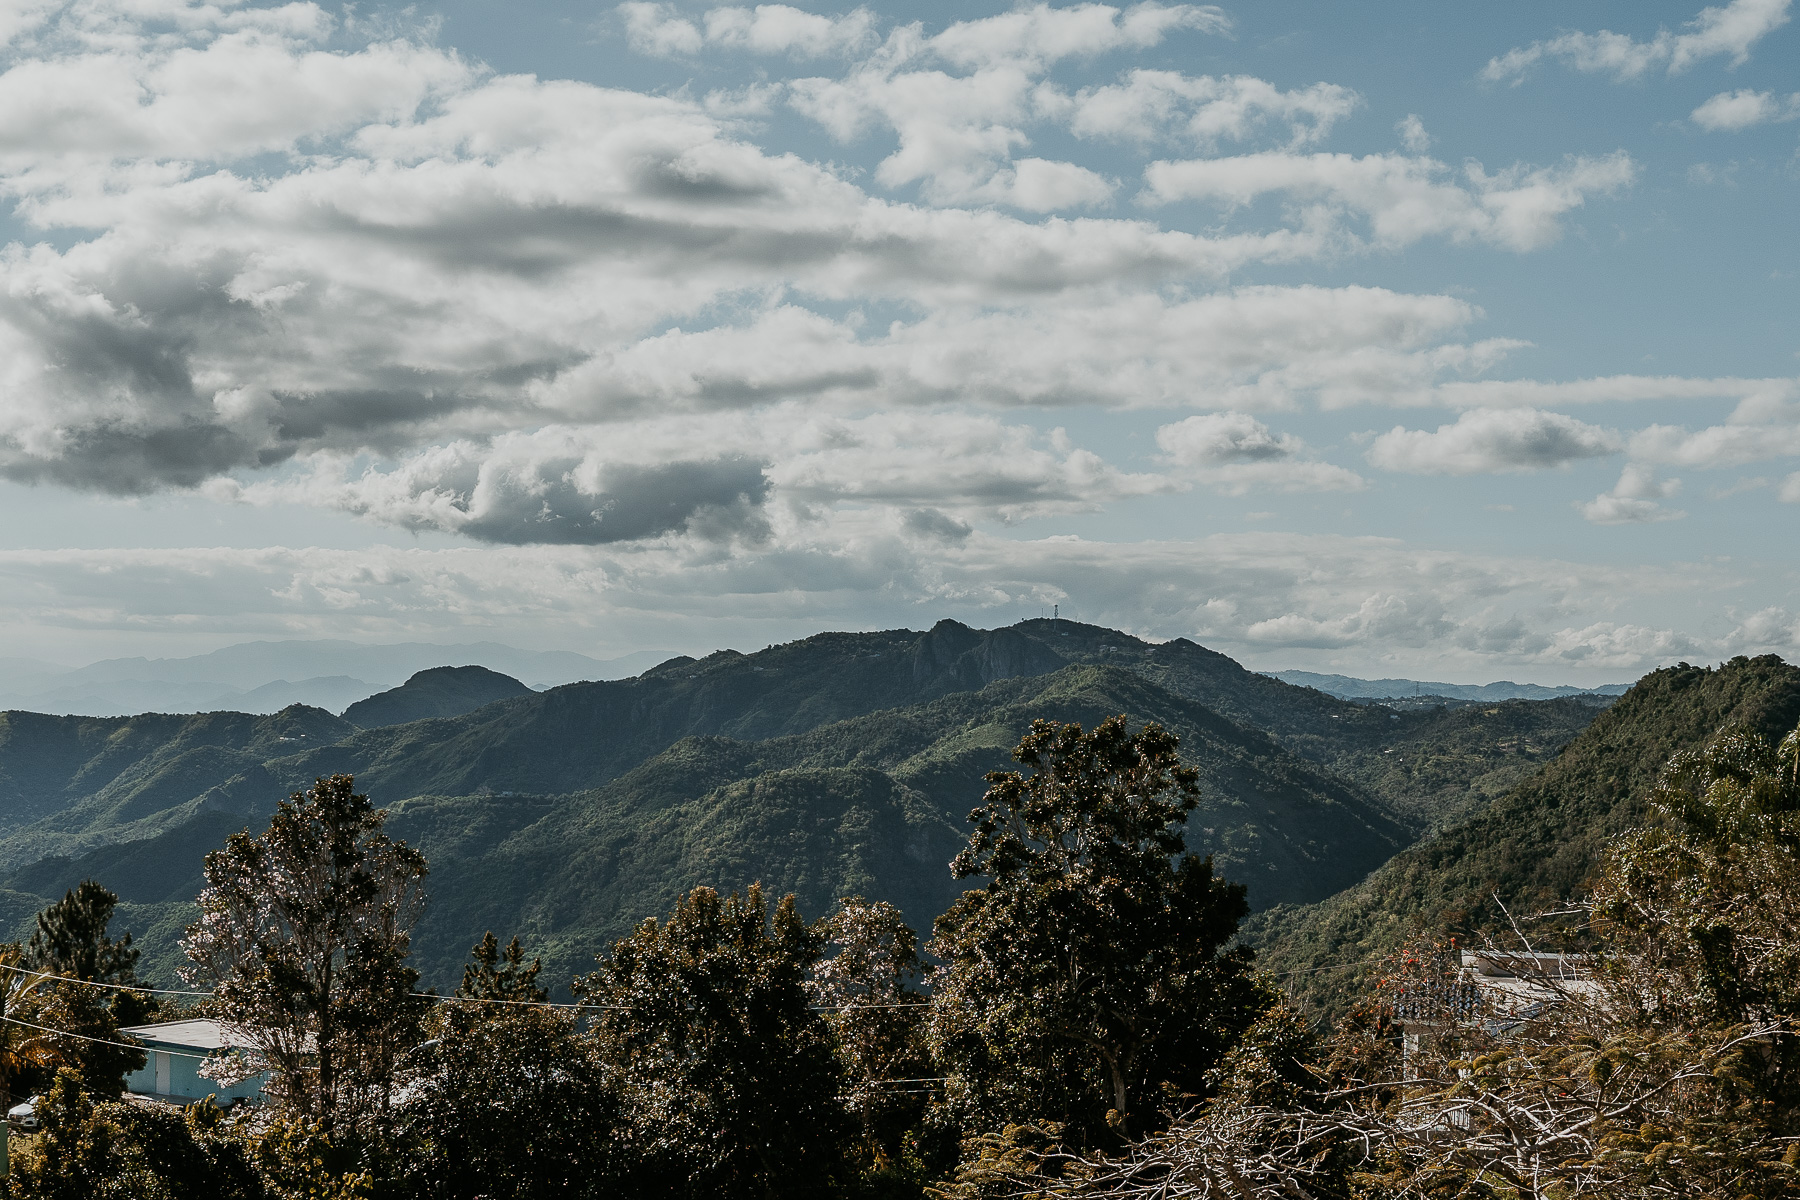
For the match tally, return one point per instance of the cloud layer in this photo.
(627, 348)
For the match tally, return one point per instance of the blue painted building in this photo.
(175, 1051)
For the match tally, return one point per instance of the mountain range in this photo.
(841, 763)
(1351, 688)
(265, 677)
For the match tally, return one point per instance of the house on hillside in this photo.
(1503, 989)
(175, 1051)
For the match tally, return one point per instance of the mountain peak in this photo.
(435, 692)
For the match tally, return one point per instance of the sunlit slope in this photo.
(1534, 846)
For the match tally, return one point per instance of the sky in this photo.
(1388, 339)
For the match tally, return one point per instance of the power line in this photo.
(103, 1041)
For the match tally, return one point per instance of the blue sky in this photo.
(1385, 339)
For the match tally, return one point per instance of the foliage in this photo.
(501, 975)
(302, 1160)
(1660, 1065)
(506, 1098)
(1707, 897)
(87, 1038)
(866, 989)
(728, 1078)
(71, 938)
(24, 1052)
(71, 941)
(1540, 843)
(114, 1151)
(303, 938)
(1089, 982)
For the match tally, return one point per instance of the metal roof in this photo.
(197, 1034)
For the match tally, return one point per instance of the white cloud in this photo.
(781, 29)
(1040, 185)
(1488, 440)
(576, 486)
(1412, 134)
(962, 103)
(1727, 31)
(660, 31)
(1235, 453)
(1149, 106)
(1789, 492)
(1402, 199)
(1727, 445)
(1040, 34)
(656, 30)
(1743, 108)
(78, 105)
(1634, 500)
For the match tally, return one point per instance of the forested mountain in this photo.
(438, 692)
(840, 763)
(1534, 846)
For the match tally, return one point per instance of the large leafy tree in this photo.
(506, 1098)
(1089, 982)
(868, 990)
(303, 937)
(728, 1076)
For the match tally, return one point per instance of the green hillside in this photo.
(842, 762)
(1535, 845)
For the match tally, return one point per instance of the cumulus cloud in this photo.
(1151, 106)
(546, 489)
(1412, 133)
(1236, 453)
(1727, 31)
(1765, 424)
(1743, 108)
(1402, 199)
(1634, 500)
(962, 103)
(658, 30)
(1487, 440)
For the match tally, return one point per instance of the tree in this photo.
(71, 938)
(507, 1098)
(495, 974)
(1665, 1068)
(303, 937)
(728, 1077)
(866, 989)
(1088, 983)
(71, 941)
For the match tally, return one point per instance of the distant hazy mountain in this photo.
(1391, 689)
(330, 692)
(254, 676)
(439, 692)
